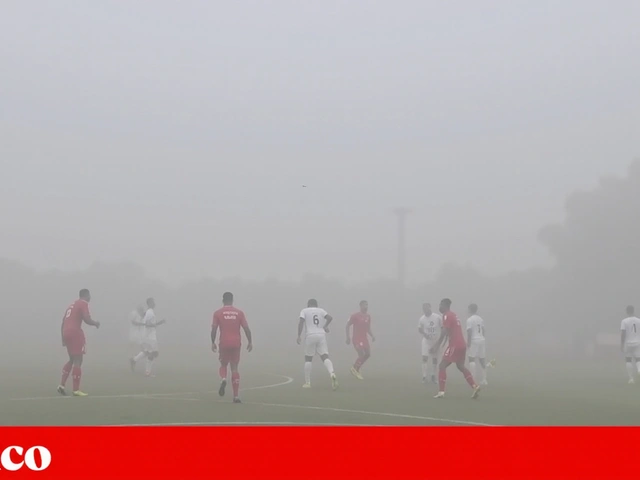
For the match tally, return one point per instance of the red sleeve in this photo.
(216, 320)
(243, 321)
(446, 323)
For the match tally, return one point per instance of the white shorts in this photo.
(477, 349)
(426, 346)
(149, 344)
(316, 343)
(632, 351)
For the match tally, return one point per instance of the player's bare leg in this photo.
(329, 366)
(66, 371)
(151, 356)
(308, 365)
(442, 378)
(469, 378)
(363, 356)
(133, 361)
(472, 366)
(223, 378)
(630, 369)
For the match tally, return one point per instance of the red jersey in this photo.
(452, 324)
(77, 313)
(229, 319)
(360, 322)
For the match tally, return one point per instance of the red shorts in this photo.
(74, 341)
(454, 355)
(229, 355)
(361, 344)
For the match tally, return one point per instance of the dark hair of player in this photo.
(446, 302)
(312, 303)
(630, 310)
(227, 298)
(473, 308)
(150, 302)
(363, 302)
(84, 293)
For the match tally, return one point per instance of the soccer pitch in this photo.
(272, 395)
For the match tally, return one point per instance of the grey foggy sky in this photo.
(178, 134)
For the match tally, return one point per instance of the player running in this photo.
(73, 338)
(456, 349)
(361, 322)
(430, 327)
(630, 342)
(476, 342)
(136, 332)
(315, 322)
(229, 319)
(149, 340)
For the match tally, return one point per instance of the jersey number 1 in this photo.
(316, 320)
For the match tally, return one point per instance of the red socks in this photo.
(235, 381)
(442, 379)
(468, 377)
(66, 371)
(223, 372)
(77, 373)
(358, 364)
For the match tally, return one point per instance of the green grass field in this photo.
(271, 391)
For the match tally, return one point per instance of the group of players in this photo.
(314, 323)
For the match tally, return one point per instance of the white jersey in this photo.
(475, 324)
(631, 325)
(314, 320)
(431, 326)
(135, 331)
(150, 324)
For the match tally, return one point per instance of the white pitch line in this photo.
(152, 395)
(381, 414)
(204, 424)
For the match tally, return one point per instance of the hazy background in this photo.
(170, 142)
(178, 136)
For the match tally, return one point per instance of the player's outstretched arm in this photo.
(300, 328)
(370, 332)
(469, 336)
(90, 321)
(348, 330)
(247, 332)
(623, 337)
(444, 334)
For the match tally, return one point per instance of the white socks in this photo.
(329, 366)
(307, 372)
(138, 357)
(630, 370)
(425, 369)
(472, 369)
(149, 366)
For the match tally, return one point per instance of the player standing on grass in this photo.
(456, 349)
(73, 338)
(136, 332)
(477, 343)
(315, 322)
(430, 327)
(229, 319)
(149, 341)
(361, 322)
(630, 342)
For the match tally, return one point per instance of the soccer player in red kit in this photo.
(456, 350)
(361, 322)
(73, 339)
(229, 319)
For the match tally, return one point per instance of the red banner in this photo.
(324, 453)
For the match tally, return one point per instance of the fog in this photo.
(180, 151)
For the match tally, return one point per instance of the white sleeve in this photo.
(302, 315)
(470, 324)
(324, 313)
(623, 326)
(421, 323)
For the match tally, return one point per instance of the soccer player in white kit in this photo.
(149, 342)
(136, 331)
(476, 343)
(630, 342)
(315, 322)
(430, 327)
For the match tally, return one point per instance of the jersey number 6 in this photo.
(316, 320)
